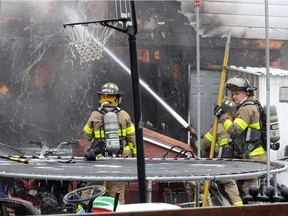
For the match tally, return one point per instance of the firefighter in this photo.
(98, 125)
(223, 149)
(245, 128)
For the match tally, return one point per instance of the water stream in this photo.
(148, 89)
(50, 94)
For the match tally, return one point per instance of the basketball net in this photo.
(89, 39)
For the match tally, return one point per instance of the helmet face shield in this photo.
(233, 87)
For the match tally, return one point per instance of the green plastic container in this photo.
(104, 201)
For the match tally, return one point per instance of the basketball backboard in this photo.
(103, 11)
(89, 37)
(123, 11)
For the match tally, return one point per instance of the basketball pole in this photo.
(131, 31)
(137, 106)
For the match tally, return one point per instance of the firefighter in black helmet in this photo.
(111, 131)
(109, 100)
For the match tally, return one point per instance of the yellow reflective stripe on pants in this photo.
(131, 148)
(122, 132)
(239, 203)
(127, 148)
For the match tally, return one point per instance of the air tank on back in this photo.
(274, 124)
(111, 127)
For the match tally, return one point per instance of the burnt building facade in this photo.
(47, 94)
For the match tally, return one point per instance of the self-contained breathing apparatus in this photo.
(111, 144)
(255, 138)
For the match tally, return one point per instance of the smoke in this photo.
(51, 94)
(48, 88)
(244, 19)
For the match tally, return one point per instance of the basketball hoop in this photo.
(89, 38)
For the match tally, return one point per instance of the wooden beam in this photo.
(276, 209)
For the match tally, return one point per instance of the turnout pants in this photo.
(231, 188)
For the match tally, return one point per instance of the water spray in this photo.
(142, 83)
(160, 100)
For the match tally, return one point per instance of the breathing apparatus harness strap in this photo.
(250, 102)
(254, 137)
(104, 110)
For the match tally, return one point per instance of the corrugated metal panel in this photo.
(243, 18)
(209, 88)
(259, 71)
(275, 83)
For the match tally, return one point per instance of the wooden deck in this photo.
(276, 209)
(156, 145)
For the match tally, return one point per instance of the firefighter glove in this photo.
(90, 155)
(227, 152)
(193, 139)
(190, 129)
(218, 111)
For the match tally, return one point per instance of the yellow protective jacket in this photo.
(222, 139)
(94, 129)
(246, 116)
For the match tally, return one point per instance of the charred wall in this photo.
(50, 94)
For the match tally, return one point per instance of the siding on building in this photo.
(277, 80)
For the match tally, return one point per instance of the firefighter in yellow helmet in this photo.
(111, 131)
(245, 128)
(223, 149)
